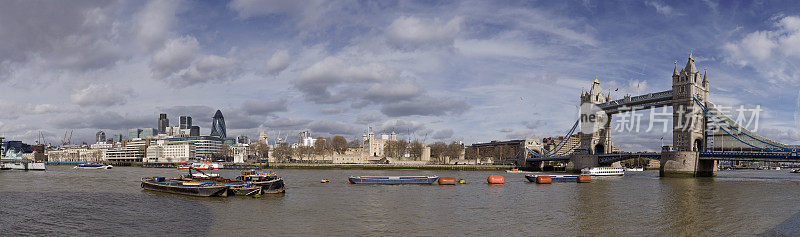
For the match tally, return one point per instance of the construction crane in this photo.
(67, 141)
(40, 139)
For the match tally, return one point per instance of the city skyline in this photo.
(467, 70)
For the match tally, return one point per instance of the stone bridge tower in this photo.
(595, 123)
(688, 120)
(688, 124)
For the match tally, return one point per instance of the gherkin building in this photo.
(218, 125)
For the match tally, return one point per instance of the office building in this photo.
(100, 137)
(186, 122)
(166, 151)
(163, 123)
(218, 125)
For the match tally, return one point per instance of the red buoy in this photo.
(584, 179)
(495, 179)
(447, 181)
(544, 179)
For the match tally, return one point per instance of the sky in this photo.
(471, 71)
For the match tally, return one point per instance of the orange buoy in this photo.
(584, 179)
(544, 179)
(447, 181)
(495, 179)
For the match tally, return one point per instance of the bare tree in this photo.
(390, 149)
(260, 149)
(415, 149)
(438, 150)
(283, 152)
(339, 144)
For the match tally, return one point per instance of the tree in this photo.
(339, 144)
(401, 148)
(453, 150)
(260, 149)
(224, 153)
(354, 144)
(320, 146)
(390, 149)
(282, 153)
(415, 149)
(438, 151)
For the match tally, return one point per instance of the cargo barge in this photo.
(200, 189)
(393, 179)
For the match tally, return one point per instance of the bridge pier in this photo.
(686, 164)
(578, 162)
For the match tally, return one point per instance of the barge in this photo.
(393, 179)
(200, 189)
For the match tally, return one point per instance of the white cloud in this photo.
(176, 55)
(153, 23)
(770, 52)
(443, 134)
(279, 61)
(100, 95)
(209, 68)
(412, 32)
(254, 107)
(180, 63)
(14, 110)
(663, 9)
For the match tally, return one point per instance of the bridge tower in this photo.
(689, 122)
(595, 132)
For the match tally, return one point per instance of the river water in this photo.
(67, 202)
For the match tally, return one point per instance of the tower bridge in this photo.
(702, 134)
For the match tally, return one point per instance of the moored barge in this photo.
(200, 189)
(393, 179)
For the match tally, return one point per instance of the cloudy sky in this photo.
(436, 70)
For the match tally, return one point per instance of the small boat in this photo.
(554, 178)
(635, 169)
(247, 189)
(795, 171)
(178, 186)
(249, 183)
(269, 182)
(517, 171)
(324, 181)
(603, 171)
(393, 179)
(93, 166)
(776, 168)
(201, 166)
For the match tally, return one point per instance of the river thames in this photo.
(67, 202)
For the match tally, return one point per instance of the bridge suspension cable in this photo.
(563, 141)
(718, 120)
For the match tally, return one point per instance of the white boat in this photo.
(517, 171)
(603, 171)
(201, 166)
(635, 169)
(91, 166)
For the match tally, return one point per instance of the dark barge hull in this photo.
(555, 178)
(202, 191)
(274, 186)
(393, 179)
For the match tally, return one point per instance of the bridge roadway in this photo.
(658, 99)
(728, 156)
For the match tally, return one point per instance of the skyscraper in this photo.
(100, 136)
(186, 122)
(194, 131)
(218, 125)
(163, 123)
